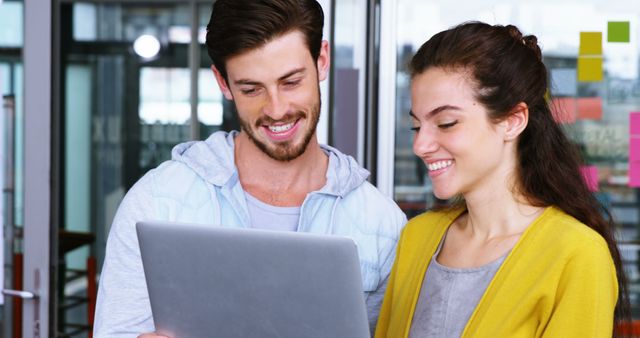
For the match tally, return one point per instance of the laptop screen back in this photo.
(210, 281)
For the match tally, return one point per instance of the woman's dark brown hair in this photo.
(237, 26)
(507, 68)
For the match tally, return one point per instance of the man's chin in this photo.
(284, 153)
(281, 150)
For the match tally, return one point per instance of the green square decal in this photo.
(618, 31)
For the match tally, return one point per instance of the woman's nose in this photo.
(424, 143)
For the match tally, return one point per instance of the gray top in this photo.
(448, 298)
(269, 217)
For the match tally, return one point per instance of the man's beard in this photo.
(284, 151)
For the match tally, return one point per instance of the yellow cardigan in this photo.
(558, 281)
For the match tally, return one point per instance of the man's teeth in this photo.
(439, 165)
(281, 128)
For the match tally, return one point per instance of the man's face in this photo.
(276, 92)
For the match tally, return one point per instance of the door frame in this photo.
(387, 97)
(37, 142)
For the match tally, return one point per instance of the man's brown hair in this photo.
(237, 26)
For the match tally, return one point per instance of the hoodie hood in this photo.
(213, 160)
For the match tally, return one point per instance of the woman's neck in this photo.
(498, 215)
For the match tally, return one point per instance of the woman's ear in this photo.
(517, 121)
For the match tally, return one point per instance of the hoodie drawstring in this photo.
(333, 211)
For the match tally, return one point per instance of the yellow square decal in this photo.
(589, 68)
(590, 43)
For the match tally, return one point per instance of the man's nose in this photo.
(276, 106)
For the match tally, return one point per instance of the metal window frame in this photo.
(322, 130)
(387, 96)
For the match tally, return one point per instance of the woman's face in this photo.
(463, 150)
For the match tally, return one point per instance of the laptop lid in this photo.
(211, 281)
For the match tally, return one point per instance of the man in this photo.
(268, 58)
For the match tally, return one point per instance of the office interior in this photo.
(96, 92)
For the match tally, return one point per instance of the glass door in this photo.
(135, 80)
(26, 133)
(597, 103)
(25, 146)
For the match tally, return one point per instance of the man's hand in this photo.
(151, 335)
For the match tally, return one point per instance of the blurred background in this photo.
(95, 93)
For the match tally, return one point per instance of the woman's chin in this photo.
(443, 195)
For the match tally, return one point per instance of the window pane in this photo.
(214, 111)
(125, 105)
(600, 111)
(126, 22)
(11, 34)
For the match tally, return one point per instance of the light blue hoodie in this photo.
(200, 185)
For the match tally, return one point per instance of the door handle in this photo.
(20, 294)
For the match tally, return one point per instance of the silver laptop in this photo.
(210, 281)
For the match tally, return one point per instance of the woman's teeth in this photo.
(439, 165)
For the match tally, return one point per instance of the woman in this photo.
(525, 252)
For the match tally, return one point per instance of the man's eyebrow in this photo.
(291, 73)
(246, 82)
(436, 110)
(283, 77)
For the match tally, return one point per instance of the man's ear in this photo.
(517, 121)
(222, 83)
(323, 61)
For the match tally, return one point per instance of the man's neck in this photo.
(276, 182)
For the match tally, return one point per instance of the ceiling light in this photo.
(147, 46)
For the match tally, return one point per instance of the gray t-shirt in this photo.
(448, 297)
(269, 217)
